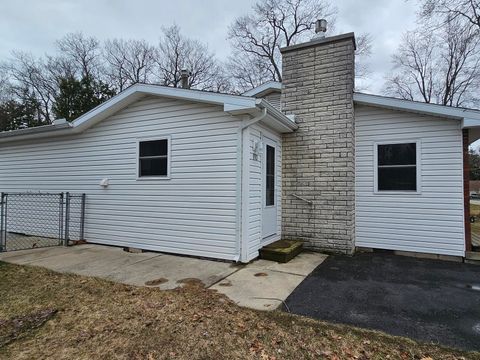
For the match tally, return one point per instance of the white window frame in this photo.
(418, 167)
(169, 157)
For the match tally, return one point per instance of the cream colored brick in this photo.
(318, 159)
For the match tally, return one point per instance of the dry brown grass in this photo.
(52, 315)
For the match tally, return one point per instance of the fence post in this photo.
(67, 217)
(3, 228)
(60, 217)
(82, 218)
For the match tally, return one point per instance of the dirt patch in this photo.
(225, 283)
(260, 274)
(191, 322)
(15, 327)
(191, 281)
(156, 282)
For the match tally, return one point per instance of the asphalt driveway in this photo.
(427, 300)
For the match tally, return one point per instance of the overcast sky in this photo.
(33, 25)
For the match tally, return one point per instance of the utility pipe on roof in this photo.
(242, 187)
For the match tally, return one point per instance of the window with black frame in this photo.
(153, 158)
(270, 176)
(397, 167)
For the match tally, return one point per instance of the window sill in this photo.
(397, 192)
(147, 178)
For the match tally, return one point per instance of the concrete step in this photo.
(281, 251)
(472, 255)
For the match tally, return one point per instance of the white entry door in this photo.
(269, 213)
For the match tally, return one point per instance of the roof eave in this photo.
(264, 89)
(284, 122)
(232, 104)
(469, 118)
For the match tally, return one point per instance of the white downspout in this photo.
(243, 187)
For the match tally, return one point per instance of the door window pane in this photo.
(270, 176)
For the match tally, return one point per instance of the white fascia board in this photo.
(469, 123)
(416, 107)
(232, 103)
(134, 92)
(266, 87)
(235, 109)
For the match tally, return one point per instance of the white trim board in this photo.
(418, 167)
(469, 117)
(232, 104)
(264, 89)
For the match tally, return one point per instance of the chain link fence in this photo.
(35, 220)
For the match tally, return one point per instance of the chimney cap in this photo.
(184, 75)
(320, 26)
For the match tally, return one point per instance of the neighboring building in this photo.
(215, 175)
(474, 187)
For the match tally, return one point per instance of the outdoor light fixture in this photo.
(104, 182)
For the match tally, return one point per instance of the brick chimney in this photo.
(318, 159)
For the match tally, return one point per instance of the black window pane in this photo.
(397, 154)
(153, 167)
(154, 148)
(402, 178)
(270, 176)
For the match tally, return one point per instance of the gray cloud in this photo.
(35, 25)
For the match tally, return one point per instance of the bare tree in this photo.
(273, 24)
(82, 51)
(129, 62)
(257, 38)
(444, 11)
(363, 51)
(176, 52)
(438, 66)
(248, 71)
(31, 76)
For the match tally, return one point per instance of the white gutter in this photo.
(285, 120)
(243, 185)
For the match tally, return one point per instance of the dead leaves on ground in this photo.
(190, 322)
(13, 328)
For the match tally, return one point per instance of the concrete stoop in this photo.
(281, 251)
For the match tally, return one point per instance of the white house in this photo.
(216, 175)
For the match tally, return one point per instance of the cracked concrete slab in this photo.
(173, 269)
(261, 284)
(265, 285)
(112, 263)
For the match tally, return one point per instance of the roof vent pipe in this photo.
(320, 28)
(184, 78)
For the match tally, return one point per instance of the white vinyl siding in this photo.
(274, 99)
(256, 200)
(193, 213)
(428, 221)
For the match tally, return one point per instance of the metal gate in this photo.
(35, 220)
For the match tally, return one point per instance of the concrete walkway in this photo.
(262, 284)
